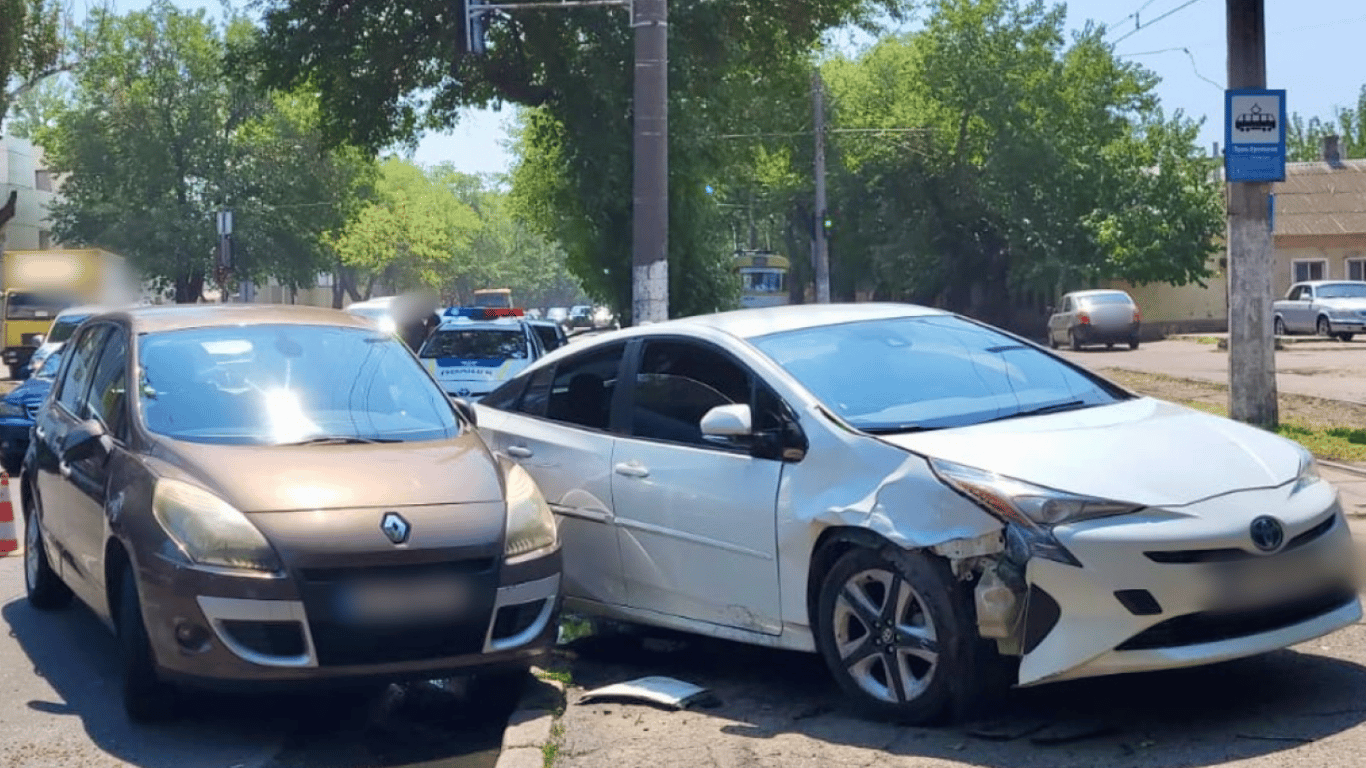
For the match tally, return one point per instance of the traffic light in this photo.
(827, 223)
(475, 25)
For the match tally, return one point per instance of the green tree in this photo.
(157, 138)
(412, 235)
(996, 164)
(1304, 139)
(574, 70)
(31, 47)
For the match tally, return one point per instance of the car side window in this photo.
(1067, 304)
(81, 368)
(582, 387)
(678, 382)
(108, 395)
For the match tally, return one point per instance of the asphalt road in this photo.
(59, 706)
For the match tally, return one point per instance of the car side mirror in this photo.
(466, 410)
(83, 440)
(39, 339)
(727, 421)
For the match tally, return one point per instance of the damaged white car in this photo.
(909, 492)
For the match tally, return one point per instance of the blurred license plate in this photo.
(401, 600)
(1274, 579)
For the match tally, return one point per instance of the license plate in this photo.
(382, 601)
(1270, 580)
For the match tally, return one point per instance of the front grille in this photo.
(1214, 626)
(340, 641)
(1232, 554)
(268, 638)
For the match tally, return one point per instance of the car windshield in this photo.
(278, 384)
(476, 344)
(1106, 298)
(23, 305)
(48, 371)
(1342, 291)
(63, 327)
(929, 373)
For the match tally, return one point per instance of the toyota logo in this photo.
(395, 527)
(1267, 533)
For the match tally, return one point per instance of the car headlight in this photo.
(211, 531)
(530, 523)
(1031, 510)
(11, 409)
(1308, 473)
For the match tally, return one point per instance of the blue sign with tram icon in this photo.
(1254, 135)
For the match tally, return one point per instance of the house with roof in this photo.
(1319, 233)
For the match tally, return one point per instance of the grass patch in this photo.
(1210, 340)
(563, 676)
(551, 749)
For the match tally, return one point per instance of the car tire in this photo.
(1324, 327)
(145, 697)
(1109, 345)
(1278, 327)
(933, 643)
(1073, 341)
(1133, 344)
(1052, 340)
(1345, 336)
(45, 589)
(498, 691)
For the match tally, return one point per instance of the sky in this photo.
(1313, 51)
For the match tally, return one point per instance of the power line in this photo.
(1141, 27)
(1133, 15)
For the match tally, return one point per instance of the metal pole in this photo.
(820, 249)
(1251, 252)
(650, 210)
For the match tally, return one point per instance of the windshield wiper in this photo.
(1070, 405)
(340, 440)
(896, 429)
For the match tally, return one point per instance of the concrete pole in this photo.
(820, 249)
(1251, 253)
(650, 202)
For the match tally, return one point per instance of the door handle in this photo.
(631, 469)
(64, 468)
(520, 452)
(40, 432)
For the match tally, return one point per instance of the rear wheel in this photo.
(145, 697)
(1073, 341)
(1109, 345)
(897, 633)
(1133, 343)
(1346, 336)
(1279, 326)
(1325, 328)
(46, 591)
(1052, 340)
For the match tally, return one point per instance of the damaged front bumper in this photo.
(1167, 588)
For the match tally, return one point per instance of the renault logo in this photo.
(1267, 533)
(395, 527)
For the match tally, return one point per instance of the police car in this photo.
(475, 349)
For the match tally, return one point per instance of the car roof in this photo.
(84, 309)
(156, 319)
(749, 323)
(1331, 282)
(466, 324)
(1096, 292)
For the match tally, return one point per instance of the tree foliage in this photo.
(995, 164)
(157, 138)
(1304, 139)
(574, 69)
(31, 46)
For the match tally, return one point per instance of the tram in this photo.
(763, 278)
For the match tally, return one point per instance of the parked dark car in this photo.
(17, 411)
(551, 333)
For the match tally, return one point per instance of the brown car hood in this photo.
(257, 478)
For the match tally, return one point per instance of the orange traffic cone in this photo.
(9, 532)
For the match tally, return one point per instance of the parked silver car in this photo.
(1325, 307)
(1106, 317)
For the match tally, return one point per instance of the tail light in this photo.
(1084, 319)
(1138, 315)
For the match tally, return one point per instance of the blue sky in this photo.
(1313, 52)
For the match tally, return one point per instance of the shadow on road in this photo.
(410, 725)
(1197, 717)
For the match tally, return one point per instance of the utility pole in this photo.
(1251, 346)
(820, 249)
(650, 200)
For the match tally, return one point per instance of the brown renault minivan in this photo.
(254, 496)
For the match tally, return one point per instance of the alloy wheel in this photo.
(885, 636)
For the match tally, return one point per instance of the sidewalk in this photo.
(1351, 484)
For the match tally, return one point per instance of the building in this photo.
(24, 178)
(1319, 233)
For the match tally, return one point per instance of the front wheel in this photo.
(897, 633)
(145, 697)
(1279, 327)
(45, 589)
(1325, 328)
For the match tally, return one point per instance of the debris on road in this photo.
(667, 691)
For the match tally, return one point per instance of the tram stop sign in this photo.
(1254, 135)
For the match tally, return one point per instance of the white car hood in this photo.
(1143, 451)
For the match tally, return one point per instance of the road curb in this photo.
(531, 727)
(1349, 468)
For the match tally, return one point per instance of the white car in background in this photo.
(470, 357)
(63, 326)
(921, 499)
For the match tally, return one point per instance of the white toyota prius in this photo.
(917, 496)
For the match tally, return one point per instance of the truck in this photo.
(493, 297)
(39, 284)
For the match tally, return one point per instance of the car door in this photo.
(51, 471)
(105, 402)
(1062, 320)
(1297, 312)
(558, 430)
(696, 517)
